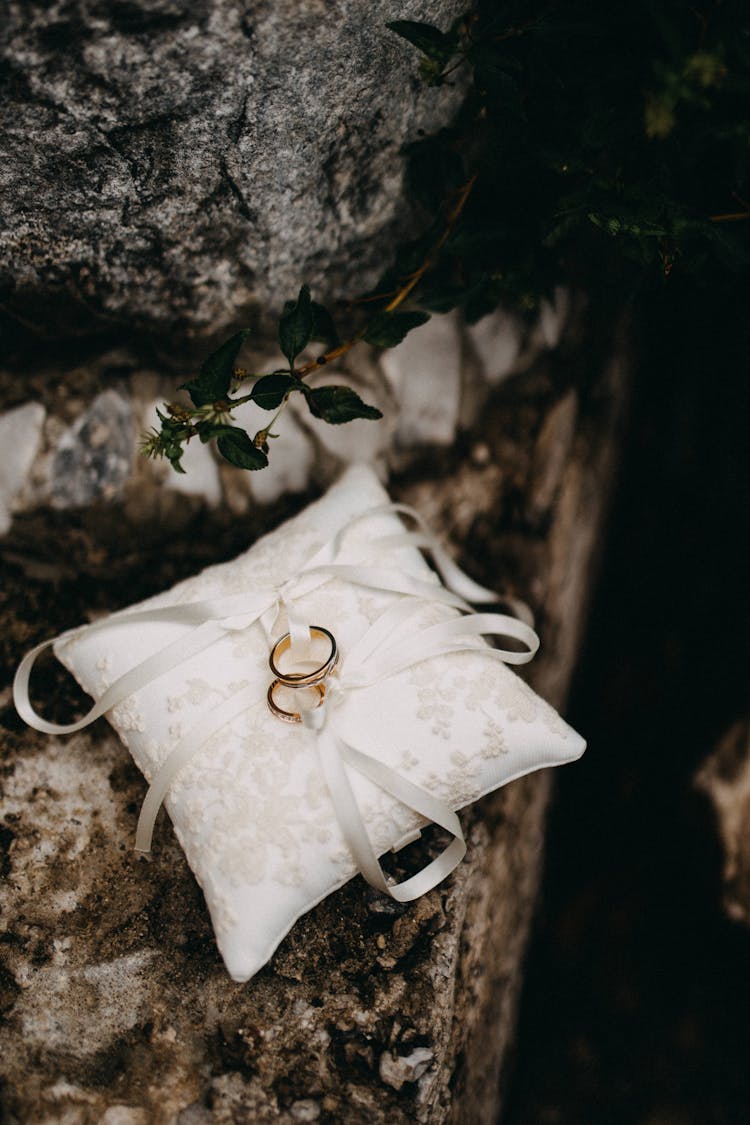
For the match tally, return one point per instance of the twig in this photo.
(413, 280)
(453, 217)
(734, 217)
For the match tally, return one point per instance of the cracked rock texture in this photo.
(115, 1005)
(176, 164)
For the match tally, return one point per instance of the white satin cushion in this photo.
(251, 809)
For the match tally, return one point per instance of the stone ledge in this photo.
(116, 1005)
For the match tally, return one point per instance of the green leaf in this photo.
(324, 329)
(336, 404)
(173, 454)
(469, 241)
(428, 39)
(296, 325)
(173, 434)
(238, 448)
(207, 431)
(430, 71)
(388, 329)
(216, 373)
(271, 390)
(172, 426)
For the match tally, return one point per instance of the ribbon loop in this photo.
(455, 578)
(383, 651)
(334, 755)
(137, 678)
(212, 617)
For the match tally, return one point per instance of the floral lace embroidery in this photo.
(126, 716)
(252, 809)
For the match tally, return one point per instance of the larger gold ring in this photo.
(292, 716)
(304, 679)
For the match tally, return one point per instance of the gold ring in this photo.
(292, 716)
(304, 679)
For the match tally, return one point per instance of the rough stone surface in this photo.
(497, 340)
(553, 316)
(430, 388)
(725, 778)
(177, 168)
(93, 459)
(395, 1070)
(174, 165)
(115, 1004)
(425, 372)
(20, 439)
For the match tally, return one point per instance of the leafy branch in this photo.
(599, 147)
(610, 142)
(301, 322)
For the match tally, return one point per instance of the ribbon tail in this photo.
(181, 756)
(456, 579)
(335, 755)
(398, 582)
(128, 684)
(394, 653)
(300, 636)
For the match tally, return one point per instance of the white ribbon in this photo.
(213, 617)
(376, 656)
(383, 651)
(335, 755)
(380, 653)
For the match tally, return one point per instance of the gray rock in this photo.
(176, 164)
(395, 1070)
(425, 373)
(93, 459)
(553, 317)
(497, 340)
(305, 1110)
(20, 439)
(725, 779)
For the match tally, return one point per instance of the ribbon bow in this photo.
(377, 655)
(383, 651)
(212, 618)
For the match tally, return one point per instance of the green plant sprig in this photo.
(302, 322)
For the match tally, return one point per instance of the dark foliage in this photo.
(599, 147)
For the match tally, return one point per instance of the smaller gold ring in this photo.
(304, 679)
(292, 716)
